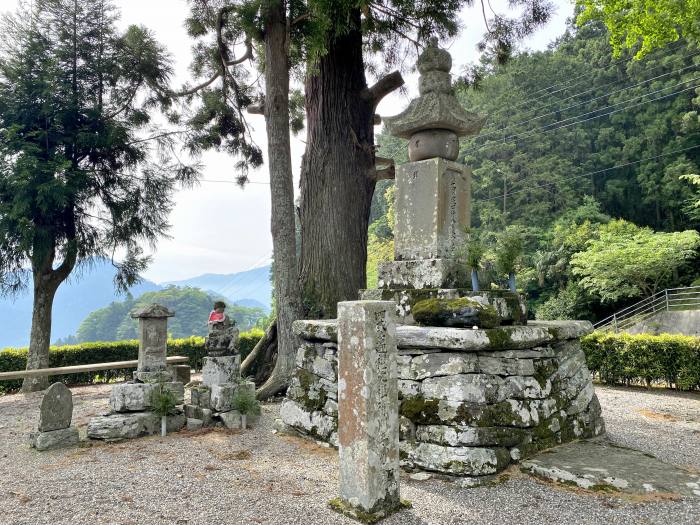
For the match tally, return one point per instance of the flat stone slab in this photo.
(599, 465)
(64, 437)
(535, 333)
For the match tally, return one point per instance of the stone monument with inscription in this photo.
(55, 417)
(433, 201)
(480, 387)
(368, 405)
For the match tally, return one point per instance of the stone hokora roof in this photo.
(152, 310)
(437, 107)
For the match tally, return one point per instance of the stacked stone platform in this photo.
(211, 402)
(471, 401)
(130, 403)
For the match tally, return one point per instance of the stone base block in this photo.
(194, 424)
(195, 412)
(131, 425)
(65, 437)
(461, 461)
(135, 397)
(233, 419)
(511, 307)
(420, 274)
(201, 396)
(158, 376)
(221, 370)
(221, 396)
(181, 373)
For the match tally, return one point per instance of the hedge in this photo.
(12, 359)
(627, 359)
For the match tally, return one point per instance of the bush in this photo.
(12, 359)
(647, 359)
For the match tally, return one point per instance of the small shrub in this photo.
(646, 359)
(163, 401)
(244, 401)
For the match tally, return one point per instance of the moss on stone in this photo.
(307, 380)
(499, 338)
(604, 487)
(346, 509)
(544, 368)
(448, 312)
(418, 409)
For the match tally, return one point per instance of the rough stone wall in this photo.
(467, 410)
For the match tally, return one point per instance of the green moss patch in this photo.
(462, 312)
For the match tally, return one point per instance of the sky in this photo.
(220, 227)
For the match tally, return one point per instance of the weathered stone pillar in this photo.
(153, 343)
(368, 424)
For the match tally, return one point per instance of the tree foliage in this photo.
(76, 181)
(627, 261)
(643, 25)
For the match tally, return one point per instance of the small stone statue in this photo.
(223, 334)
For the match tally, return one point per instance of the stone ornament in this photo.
(435, 120)
(56, 410)
(55, 416)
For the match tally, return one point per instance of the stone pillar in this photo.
(432, 209)
(368, 405)
(153, 339)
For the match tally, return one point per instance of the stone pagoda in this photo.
(478, 387)
(130, 405)
(433, 200)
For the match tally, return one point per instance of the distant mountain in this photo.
(93, 288)
(252, 303)
(191, 305)
(240, 287)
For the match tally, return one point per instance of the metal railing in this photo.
(671, 299)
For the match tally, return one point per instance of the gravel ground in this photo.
(260, 477)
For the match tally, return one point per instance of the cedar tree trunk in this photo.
(276, 109)
(338, 174)
(46, 282)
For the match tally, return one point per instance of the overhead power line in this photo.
(587, 76)
(554, 112)
(591, 173)
(548, 127)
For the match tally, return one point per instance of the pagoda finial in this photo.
(435, 120)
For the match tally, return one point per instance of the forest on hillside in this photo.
(590, 159)
(191, 305)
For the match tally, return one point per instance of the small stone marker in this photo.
(55, 416)
(56, 410)
(153, 342)
(368, 400)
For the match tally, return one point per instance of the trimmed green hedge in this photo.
(644, 359)
(12, 359)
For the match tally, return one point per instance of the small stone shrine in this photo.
(479, 386)
(55, 416)
(130, 402)
(211, 401)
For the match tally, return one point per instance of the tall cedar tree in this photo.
(222, 28)
(338, 172)
(328, 43)
(74, 131)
